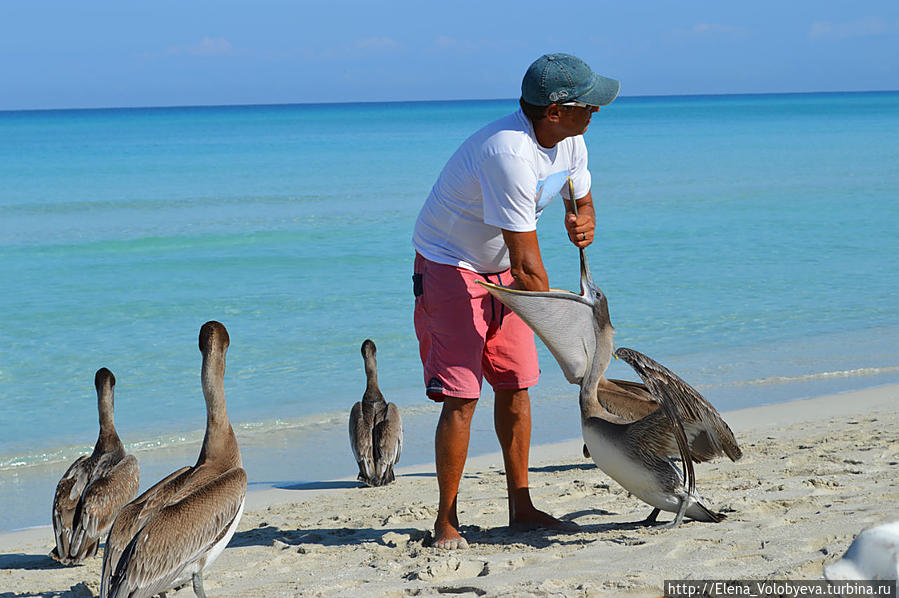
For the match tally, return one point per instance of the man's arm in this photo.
(527, 264)
(582, 228)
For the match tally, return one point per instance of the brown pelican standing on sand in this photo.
(95, 487)
(627, 437)
(169, 534)
(650, 443)
(376, 431)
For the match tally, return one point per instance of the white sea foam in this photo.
(858, 372)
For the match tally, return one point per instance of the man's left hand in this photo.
(580, 229)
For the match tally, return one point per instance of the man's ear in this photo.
(553, 113)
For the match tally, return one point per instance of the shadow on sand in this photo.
(31, 562)
(40, 562)
(268, 535)
(335, 485)
(556, 468)
(338, 536)
(79, 590)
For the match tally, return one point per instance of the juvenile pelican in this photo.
(172, 532)
(634, 446)
(95, 487)
(376, 431)
(686, 427)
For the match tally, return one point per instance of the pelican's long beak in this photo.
(562, 320)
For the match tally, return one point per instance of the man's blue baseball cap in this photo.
(561, 78)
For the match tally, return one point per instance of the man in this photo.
(479, 223)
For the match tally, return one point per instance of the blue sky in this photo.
(65, 54)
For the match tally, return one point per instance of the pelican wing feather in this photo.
(178, 536)
(686, 409)
(132, 518)
(106, 496)
(361, 442)
(625, 400)
(65, 501)
(388, 434)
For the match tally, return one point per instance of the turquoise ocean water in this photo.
(748, 242)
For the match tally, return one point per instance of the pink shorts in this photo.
(464, 334)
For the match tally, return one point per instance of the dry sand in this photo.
(814, 473)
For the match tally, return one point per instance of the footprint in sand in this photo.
(410, 513)
(450, 569)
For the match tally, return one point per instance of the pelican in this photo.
(376, 431)
(624, 432)
(171, 533)
(95, 487)
(687, 427)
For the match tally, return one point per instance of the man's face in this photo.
(576, 118)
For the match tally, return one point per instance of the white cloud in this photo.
(866, 27)
(207, 46)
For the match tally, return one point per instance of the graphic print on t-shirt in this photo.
(548, 188)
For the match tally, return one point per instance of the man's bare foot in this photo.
(536, 519)
(447, 537)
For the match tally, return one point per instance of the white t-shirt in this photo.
(499, 178)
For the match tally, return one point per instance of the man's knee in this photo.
(457, 410)
(512, 399)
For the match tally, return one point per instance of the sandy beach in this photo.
(814, 473)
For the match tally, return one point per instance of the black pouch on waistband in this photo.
(418, 287)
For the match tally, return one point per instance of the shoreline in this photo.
(814, 473)
(272, 488)
(312, 448)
